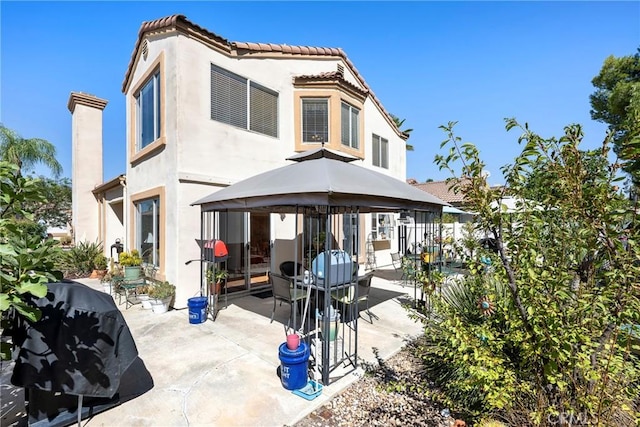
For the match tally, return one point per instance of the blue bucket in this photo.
(294, 366)
(197, 309)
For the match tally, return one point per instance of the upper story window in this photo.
(350, 125)
(148, 112)
(315, 120)
(380, 153)
(240, 102)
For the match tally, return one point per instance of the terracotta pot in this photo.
(215, 288)
(98, 274)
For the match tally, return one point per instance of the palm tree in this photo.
(399, 124)
(27, 152)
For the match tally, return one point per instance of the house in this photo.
(204, 112)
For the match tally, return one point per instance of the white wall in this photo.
(200, 150)
(86, 140)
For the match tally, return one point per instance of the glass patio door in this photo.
(258, 258)
(248, 239)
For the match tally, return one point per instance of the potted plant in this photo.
(106, 282)
(215, 279)
(131, 262)
(99, 266)
(161, 293)
(142, 292)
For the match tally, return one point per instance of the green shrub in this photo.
(540, 329)
(30, 227)
(26, 260)
(100, 262)
(80, 260)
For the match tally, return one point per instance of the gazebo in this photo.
(327, 192)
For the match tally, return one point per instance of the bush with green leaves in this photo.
(544, 327)
(100, 262)
(26, 260)
(80, 260)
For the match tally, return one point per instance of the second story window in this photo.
(350, 125)
(380, 147)
(315, 120)
(148, 112)
(242, 103)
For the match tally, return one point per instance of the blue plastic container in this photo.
(294, 365)
(197, 309)
(337, 264)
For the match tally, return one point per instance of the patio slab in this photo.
(225, 372)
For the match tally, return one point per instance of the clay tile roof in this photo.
(166, 23)
(332, 76)
(441, 190)
(247, 48)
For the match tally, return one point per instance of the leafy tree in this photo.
(26, 260)
(55, 209)
(27, 152)
(548, 326)
(616, 102)
(399, 123)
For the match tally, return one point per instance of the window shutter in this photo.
(344, 124)
(315, 120)
(384, 153)
(228, 97)
(376, 150)
(264, 110)
(355, 139)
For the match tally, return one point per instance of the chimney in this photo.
(86, 163)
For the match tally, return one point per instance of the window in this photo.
(380, 148)
(148, 230)
(349, 125)
(239, 102)
(315, 120)
(381, 226)
(148, 112)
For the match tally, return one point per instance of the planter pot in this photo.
(159, 306)
(145, 301)
(97, 274)
(215, 288)
(132, 272)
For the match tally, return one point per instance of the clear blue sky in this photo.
(428, 62)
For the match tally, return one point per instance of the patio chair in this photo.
(282, 289)
(287, 268)
(347, 298)
(396, 260)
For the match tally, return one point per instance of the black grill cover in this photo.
(81, 345)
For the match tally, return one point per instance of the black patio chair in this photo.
(288, 268)
(283, 291)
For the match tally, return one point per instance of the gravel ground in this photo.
(367, 403)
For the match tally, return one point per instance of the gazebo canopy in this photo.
(321, 177)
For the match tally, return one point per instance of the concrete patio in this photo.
(225, 372)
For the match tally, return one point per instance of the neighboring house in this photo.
(203, 113)
(440, 189)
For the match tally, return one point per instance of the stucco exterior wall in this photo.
(86, 173)
(199, 155)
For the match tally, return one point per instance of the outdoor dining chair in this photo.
(347, 298)
(396, 260)
(288, 268)
(283, 291)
